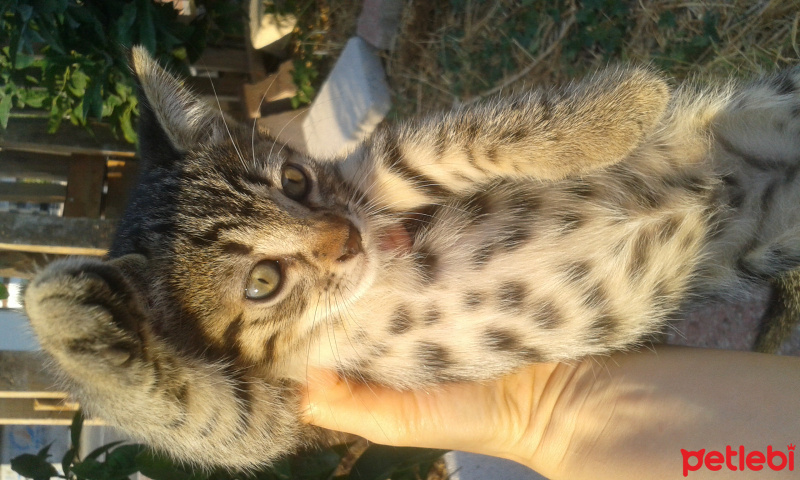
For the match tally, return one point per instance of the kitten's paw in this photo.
(617, 109)
(86, 314)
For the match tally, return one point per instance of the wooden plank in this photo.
(22, 264)
(255, 60)
(39, 166)
(30, 135)
(226, 88)
(120, 180)
(85, 186)
(23, 375)
(216, 59)
(58, 235)
(54, 249)
(55, 405)
(32, 192)
(275, 87)
(20, 411)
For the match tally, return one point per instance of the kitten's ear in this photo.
(170, 115)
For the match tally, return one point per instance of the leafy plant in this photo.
(117, 461)
(307, 40)
(70, 57)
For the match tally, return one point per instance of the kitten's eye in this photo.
(294, 182)
(265, 278)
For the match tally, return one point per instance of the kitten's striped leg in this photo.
(783, 313)
(762, 124)
(758, 140)
(88, 318)
(543, 134)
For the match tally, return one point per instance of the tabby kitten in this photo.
(540, 227)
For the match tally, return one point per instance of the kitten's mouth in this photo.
(396, 239)
(400, 237)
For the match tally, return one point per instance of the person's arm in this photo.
(624, 416)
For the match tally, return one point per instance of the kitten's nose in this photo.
(352, 246)
(338, 240)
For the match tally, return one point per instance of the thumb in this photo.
(369, 411)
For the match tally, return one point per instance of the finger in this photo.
(369, 411)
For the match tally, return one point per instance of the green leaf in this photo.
(53, 40)
(122, 460)
(112, 102)
(77, 83)
(123, 25)
(66, 461)
(94, 454)
(159, 467)
(30, 38)
(54, 121)
(14, 44)
(379, 462)
(93, 100)
(75, 430)
(127, 128)
(90, 469)
(87, 15)
(25, 12)
(24, 61)
(44, 452)
(147, 31)
(5, 110)
(319, 465)
(123, 90)
(33, 466)
(280, 470)
(76, 114)
(50, 7)
(35, 97)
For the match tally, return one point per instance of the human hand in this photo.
(624, 416)
(506, 417)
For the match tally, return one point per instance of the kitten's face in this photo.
(270, 241)
(246, 241)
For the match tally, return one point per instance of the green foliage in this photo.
(70, 57)
(34, 466)
(601, 28)
(379, 462)
(305, 76)
(117, 461)
(3, 292)
(307, 40)
(461, 50)
(687, 48)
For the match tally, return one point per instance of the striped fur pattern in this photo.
(540, 227)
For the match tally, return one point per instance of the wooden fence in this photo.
(92, 175)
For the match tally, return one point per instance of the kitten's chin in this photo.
(395, 239)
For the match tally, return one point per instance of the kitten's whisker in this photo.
(313, 326)
(356, 350)
(364, 170)
(255, 120)
(224, 120)
(329, 327)
(283, 145)
(364, 381)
